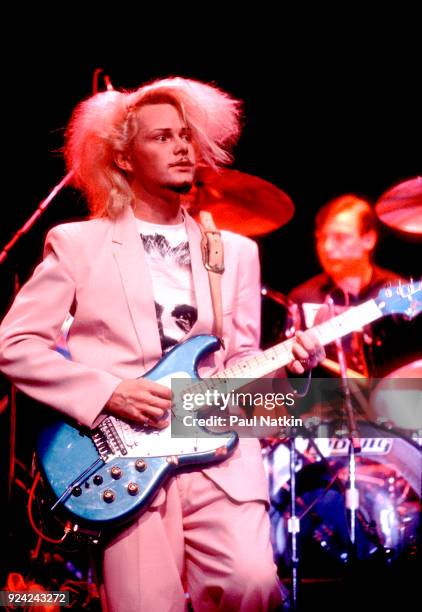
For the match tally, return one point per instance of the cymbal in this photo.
(401, 206)
(397, 398)
(239, 202)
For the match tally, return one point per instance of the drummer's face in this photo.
(342, 249)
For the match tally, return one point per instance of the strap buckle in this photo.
(208, 246)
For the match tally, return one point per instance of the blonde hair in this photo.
(107, 122)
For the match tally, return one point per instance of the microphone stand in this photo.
(293, 525)
(36, 215)
(352, 492)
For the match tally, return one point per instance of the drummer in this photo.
(346, 235)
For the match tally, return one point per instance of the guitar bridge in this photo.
(107, 441)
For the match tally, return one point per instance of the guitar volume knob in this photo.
(108, 496)
(116, 472)
(140, 465)
(132, 488)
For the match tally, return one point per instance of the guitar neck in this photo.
(281, 354)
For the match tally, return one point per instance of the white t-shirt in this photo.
(168, 258)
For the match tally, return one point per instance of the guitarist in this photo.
(134, 281)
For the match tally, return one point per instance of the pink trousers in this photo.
(200, 542)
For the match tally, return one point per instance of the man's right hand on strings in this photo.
(141, 400)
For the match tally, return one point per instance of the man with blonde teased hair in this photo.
(133, 279)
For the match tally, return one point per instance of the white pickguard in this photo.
(141, 441)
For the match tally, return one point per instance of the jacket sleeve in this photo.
(29, 332)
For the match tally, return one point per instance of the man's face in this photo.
(162, 154)
(341, 248)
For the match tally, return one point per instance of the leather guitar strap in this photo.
(213, 258)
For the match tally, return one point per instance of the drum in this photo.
(388, 473)
(397, 398)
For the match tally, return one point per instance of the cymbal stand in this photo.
(352, 492)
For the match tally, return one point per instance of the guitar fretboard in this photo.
(280, 355)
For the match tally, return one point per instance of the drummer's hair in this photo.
(367, 217)
(107, 123)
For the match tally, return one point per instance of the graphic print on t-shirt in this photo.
(169, 262)
(160, 245)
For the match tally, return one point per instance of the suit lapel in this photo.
(137, 284)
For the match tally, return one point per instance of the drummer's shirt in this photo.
(376, 349)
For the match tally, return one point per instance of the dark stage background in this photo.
(336, 121)
(342, 119)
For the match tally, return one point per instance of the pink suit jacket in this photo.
(97, 271)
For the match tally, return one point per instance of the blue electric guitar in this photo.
(107, 475)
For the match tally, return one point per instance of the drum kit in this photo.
(388, 464)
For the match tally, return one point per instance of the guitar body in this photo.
(102, 488)
(107, 475)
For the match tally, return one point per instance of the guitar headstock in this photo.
(405, 299)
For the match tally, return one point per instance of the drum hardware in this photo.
(293, 526)
(388, 517)
(352, 492)
(292, 309)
